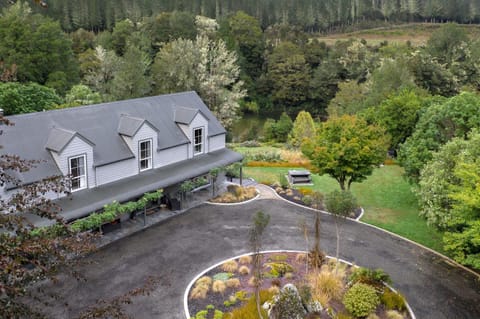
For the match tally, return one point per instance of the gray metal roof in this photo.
(99, 124)
(185, 115)
(59, 138)
(84, 202)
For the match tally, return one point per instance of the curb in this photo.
(446, 258)
(189, 286)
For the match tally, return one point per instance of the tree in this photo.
(341, 204)
(248, 41)
(347, 149)
(349, 99)
(432, 75)
(16, 98)
(289, 74)
(99, 70)
(303, 128)
(435, 182)
(442, 121)
(120, 34)
(449, 197)
(260, 222)
(399, 114)
(391, 77)
(444, 40)
(37, 46)
(29, 254)
(203, 65)
(81, 95)
(130, 79)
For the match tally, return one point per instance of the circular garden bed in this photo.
(291, 288)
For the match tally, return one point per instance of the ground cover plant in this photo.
(289, 289)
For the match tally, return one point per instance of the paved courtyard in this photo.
(180, 247)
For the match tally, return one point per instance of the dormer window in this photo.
(198, 140)
(145, 154)
(78, 173)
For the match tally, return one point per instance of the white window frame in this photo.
(148, 158)
(81, 178)
(201, 143)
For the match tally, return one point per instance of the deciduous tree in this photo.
(347, 149)
(442, 121)
(203, 65)
(37, 46)
(303, 128)
(17, 98)
(29, 254)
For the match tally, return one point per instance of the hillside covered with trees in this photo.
(310, 15)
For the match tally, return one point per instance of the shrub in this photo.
(219, 286)
(233, 283)
(253, 281)
(305, 191)
(249, 309)
(274, 290)
(283, 181)
(205, 280)
(392, 314)
(278, 257)
(223, 276)
(199, 292)
(229, 266)
(361, 300)
(326, 283)
(371, 277)
(245, 260)
(276, 282)
(307, 200)
(393, 300)
(244, 270)
(278, 269)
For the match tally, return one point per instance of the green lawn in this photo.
(386, 197)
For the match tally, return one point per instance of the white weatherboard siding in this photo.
(197, 122)
(170, 155)
(116, 171)
(146, 132)
(77, 147)
(216, 142)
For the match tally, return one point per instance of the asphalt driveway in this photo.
(181, 247)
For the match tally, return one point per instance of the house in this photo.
(118, 150)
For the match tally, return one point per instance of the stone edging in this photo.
(386, 231)
(185, 296)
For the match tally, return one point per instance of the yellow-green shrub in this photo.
(361, 300)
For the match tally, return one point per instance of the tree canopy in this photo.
(17, 98)
(442, 121)
(347, 149)
(38, 47)
(449, 196)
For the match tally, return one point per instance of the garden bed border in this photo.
(192, 282)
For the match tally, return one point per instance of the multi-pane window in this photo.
(198, 140)
(78, 173)
(145, 155)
